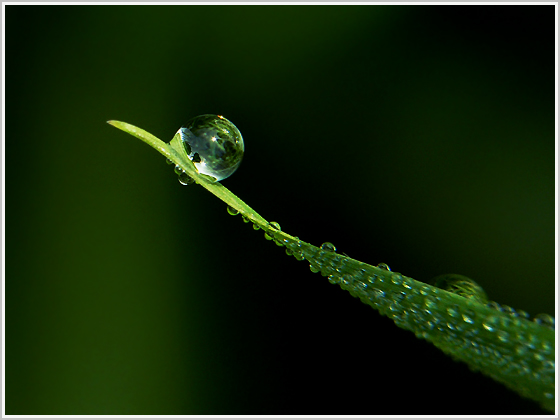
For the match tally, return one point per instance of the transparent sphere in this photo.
(213, 144)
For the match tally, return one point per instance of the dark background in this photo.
(418, 136)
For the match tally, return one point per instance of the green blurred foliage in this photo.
(420, 136)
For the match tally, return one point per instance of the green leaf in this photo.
(509, 348)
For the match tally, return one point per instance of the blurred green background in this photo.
(420, 136)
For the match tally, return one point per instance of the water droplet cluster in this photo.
(213, 144)
(494, 339)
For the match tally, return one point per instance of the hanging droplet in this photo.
(213, 144)
(169, 161)
(177, 170)
(383, 266)
(462, 286)
(246, 219)
(273, 226)
(232, 211)
(327, 246)
(185, 179)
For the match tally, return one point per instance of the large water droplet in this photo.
(213, 144)
(462, 286)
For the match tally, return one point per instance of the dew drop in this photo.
(490, 323)
(347, 279)
(333, 279)
(177, 170)
(274, 225)
(462, 286)
(246, 219)
(213, 144)
(545, 320)
(185, 179)
(232, 211)
(383, 266)
(378, 293)
(327, 246)
(396, 278)
(169, 161)
(468, 316)
(453, 311)
(523, 314)
(494, 305)
(503, 336)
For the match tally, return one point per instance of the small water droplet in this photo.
(327, 246)
(396, 278)
(232, 211)
(378, 293)
(383, 266)
(274, 225)
(508, 310)
(256, 227)
(177, 169)
(523, 314)
(462, 286)
(453, 311)
(213, 144)
(545, 320)
(468, 316)
(429, 302)
(289, 251)
(398, 296)
(494, 305)
(490, 323)
(185, 179)
(246, 219)
(372, 279)
(503, 336)
(314, 269)
(333, 279)
(346, 279)
(169, 161)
